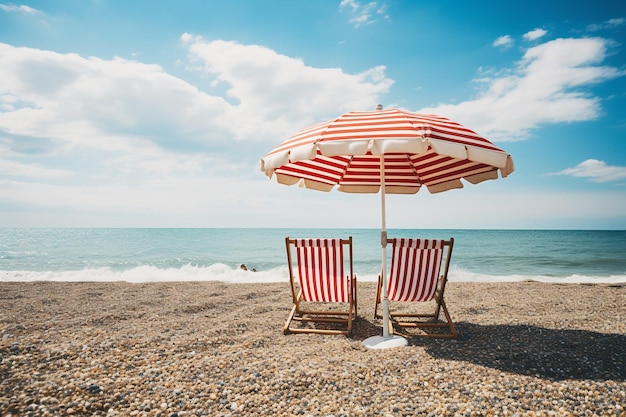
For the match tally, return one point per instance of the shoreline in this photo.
(211, 348)
(236, 275)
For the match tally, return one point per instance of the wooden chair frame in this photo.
(401, 322)
(303, 311)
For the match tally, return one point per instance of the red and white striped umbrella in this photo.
(393, 150)
(418, 149)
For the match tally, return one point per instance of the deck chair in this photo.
(418, 274)
(324, 292)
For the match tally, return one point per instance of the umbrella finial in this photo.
(379, 107)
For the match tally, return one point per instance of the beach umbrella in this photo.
(390, 151)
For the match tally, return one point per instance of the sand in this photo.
(215, 349)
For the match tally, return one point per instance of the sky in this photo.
(118, 113)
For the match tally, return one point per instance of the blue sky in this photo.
(156, 114)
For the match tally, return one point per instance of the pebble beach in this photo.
(216, 349)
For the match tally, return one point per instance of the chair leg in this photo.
(349, 330)
(453, 332)
(286, 327)
(354, 296)
(378, 291)
(439, 300)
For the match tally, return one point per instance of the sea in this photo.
(216, 254)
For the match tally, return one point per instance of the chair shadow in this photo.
(362, 328)
(535, 351)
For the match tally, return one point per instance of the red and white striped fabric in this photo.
(321, 270)
(419, 149)
(415, 267)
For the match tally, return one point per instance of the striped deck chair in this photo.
(418, 273)
(324, 275)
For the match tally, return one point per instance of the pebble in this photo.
(153, 350)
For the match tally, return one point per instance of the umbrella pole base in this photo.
(381, 342)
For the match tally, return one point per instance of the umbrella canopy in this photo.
(392, 151)
(418, 149)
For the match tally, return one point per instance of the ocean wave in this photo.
(465, 276)
(147, 273)
(226, 273)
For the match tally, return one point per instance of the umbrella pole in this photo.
(383, 243)
(387, 340)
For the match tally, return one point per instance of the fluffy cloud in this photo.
(121, 137)
(364, 13)
(95, 103)
(504, 42)
(123, 106)
(276, 94)
(609, 24)
(535, 34)
(15, 8)
(597, 171)
(14, 168)
(548, 85)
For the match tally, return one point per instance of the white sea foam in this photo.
(216, 272)
(225, 273)
(465, 276)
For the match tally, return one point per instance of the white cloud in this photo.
(609, 24)
(15, 8)
(18, 169)
(597, 171)
(103, 104)
(504, 42)
(535, 34)
(120, 106)
(352, 4)
(364, 13)
(137, 144)
(276, 94)
(549, 85)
